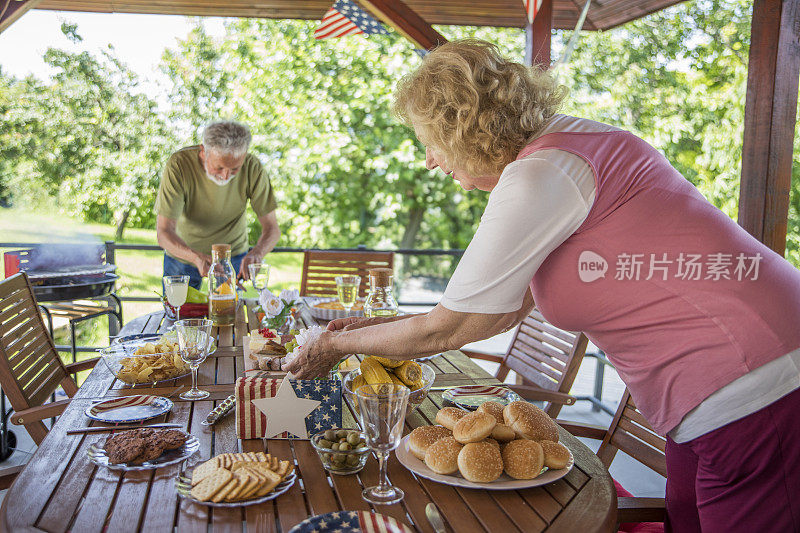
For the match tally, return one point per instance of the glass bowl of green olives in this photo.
(342, 451)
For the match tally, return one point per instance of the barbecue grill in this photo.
(61, 272)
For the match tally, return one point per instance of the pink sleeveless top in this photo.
(717, 303)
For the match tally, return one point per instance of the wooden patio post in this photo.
(769, 121)
(537, 37)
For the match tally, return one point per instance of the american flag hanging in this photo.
(532, 7)
(345, 18)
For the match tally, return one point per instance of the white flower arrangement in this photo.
(277, 308)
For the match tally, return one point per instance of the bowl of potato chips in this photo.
(144, 361)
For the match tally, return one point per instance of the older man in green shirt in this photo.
(202, 200)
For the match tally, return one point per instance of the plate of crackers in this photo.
(236, 479)
(143, 449)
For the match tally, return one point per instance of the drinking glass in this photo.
(259, 275)
(194, 338)
(175, 288)
(347, 288)
(382, 412)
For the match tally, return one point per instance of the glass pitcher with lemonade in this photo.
(222, 297)
(380, 300)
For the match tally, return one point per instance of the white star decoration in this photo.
(285, 411)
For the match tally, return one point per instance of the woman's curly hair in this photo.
(476, 107)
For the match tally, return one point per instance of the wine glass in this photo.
(194, 338)
(259, 275)
(347, 288)
(175, 288)
(381, 413)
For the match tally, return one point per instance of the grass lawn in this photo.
(139, 270)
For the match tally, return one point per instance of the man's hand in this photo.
(315, 359)
(252, 258)
(203, 263)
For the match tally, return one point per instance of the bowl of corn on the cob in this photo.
(376, 371)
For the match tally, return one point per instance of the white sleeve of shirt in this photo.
(537, 204)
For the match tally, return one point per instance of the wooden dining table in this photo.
(60, 489)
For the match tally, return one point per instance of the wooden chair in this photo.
(320, 269)
(30, 368)
(544, 357)
(630, 433)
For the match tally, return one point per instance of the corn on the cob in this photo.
(373, 372)
(388, 363)
(357, 382)
(396, 380)
(410, 373)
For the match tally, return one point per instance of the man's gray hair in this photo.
(227, 136)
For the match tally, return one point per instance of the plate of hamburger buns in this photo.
(495, 447)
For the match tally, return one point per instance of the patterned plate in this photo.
(470, 397)
(504, 482)
(98, 456)
(351, 522)
(183, 484)
(129, 409)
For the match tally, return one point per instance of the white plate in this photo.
(183, 484)
(98, 456)
(504, 482)
(329, 314)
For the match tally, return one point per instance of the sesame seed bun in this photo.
(474, 427)
(422, 437)
(493, 408)
(442, 455)
(503, 433)
(448, 416)
(556, 455)
(480, 462)
(523, 459)
(530, 422)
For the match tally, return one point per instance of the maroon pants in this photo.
(744, 476)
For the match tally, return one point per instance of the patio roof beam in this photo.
(11, 10)
(769, 122)
(406, 22)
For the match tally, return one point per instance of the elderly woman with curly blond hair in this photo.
(591, 223)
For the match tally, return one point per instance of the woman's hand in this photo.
(314, 359)
(341, 323)
(356, 322)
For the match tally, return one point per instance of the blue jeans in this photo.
(173, 267)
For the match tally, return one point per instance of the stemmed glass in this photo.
(176, 287)
(194, 338)
(259, 275)
(347, 289)
(381, 412)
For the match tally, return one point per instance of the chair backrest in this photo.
(30, 368)
(320, 269)
(545, 356)
(631, 433)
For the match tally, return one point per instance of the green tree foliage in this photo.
(347, 173)
(87, 139)
(678, 78)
